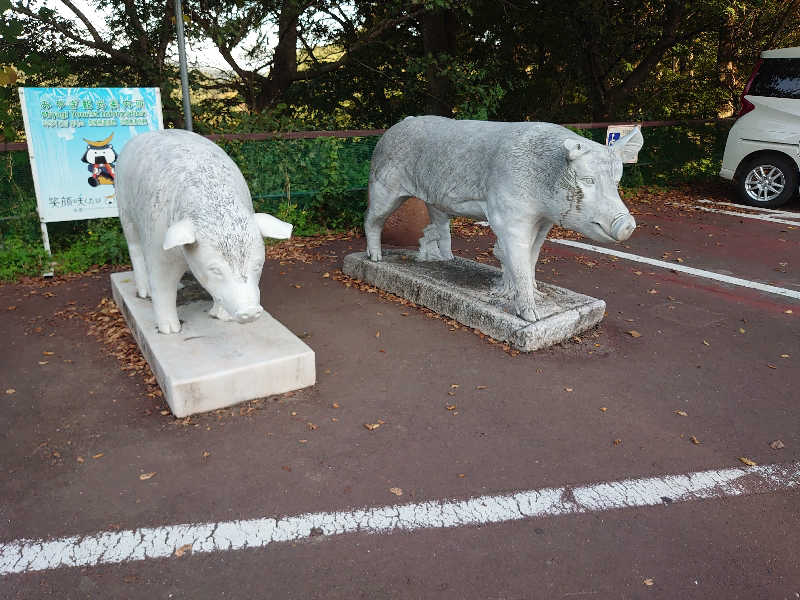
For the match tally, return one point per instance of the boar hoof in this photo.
(169, 326)
(374, 254)
(528, 314)
(220, 313)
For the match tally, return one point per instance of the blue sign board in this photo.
(74, 138)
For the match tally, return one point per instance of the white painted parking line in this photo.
(720, 211)
(769, 211)
(755, 285)
(111, 547)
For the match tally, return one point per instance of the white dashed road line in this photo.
(755, 285)
(767, 211)
(111, 547)
(719, 211)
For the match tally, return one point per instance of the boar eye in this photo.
(588, 180)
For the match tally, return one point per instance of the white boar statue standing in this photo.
(184, 205)
(521, 177)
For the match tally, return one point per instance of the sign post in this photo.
(74, 137)
(614, 132)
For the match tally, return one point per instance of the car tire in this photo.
(768, 181)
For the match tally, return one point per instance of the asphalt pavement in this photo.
(684, 375)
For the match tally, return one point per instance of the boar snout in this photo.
(622, 227)
(248, 314)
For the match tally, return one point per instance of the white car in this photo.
(762, 155)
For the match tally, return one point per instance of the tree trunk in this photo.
(726, 71)
(284, 61)
(439, 28)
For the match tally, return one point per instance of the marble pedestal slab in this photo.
(212, 364)
(461, 289)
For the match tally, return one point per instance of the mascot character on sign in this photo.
(101, 157)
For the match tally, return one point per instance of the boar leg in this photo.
(383, 201)
(164, 279)
(541, 235)
(516, 251)
(137, 259)
(435, 243)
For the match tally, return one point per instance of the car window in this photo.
(777, 78)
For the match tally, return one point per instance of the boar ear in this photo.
(179, 233)
(273, 227)
(575, 148)
(628, 147)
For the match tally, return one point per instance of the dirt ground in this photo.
(684, 374)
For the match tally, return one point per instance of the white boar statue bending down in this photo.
(183, 204)
(521, 177)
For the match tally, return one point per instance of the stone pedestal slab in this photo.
(212, 364)
(462, 290)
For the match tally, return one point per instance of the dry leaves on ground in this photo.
(777, 445)
(396, 491)
(146, 476)
(747, 461)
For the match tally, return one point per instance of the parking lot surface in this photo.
(686, 374)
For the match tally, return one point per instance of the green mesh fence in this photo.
(321, 182)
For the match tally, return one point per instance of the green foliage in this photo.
(18, 258)
(103, 243)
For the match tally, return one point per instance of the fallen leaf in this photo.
(451, 393)
(481, 387)
(694, 440)
(12, 308)
(372, 426)
(396, 491)
(653, 291)
(461, 475)
(648, 582)
(742, 330)
(303, 441)
(287, 468)
(335, 405)
(681, 413)
(48, 353)
(10, 391)
(334, 419)
(206, 453)
(377, 334)
(146, 476)
(788, 312)
(297, 285)
(706, 343)
(325, 275)
(183, 550)
(56, 454)
(679, 259)
(450, 406)
(785, 355)
(603, 408)
(637, 272)
(311, 426)
(771, 366)
(747, 461)
(634, 334)
(42, 362)
(453, 386)
(777, 445)
(567, 389)
(617, 442)
(164, 412)
(293, 413)
(79, 459)
(98, 455)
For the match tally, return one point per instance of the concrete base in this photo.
(462, 290)
(212, 364)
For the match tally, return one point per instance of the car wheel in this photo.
(767, 181)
